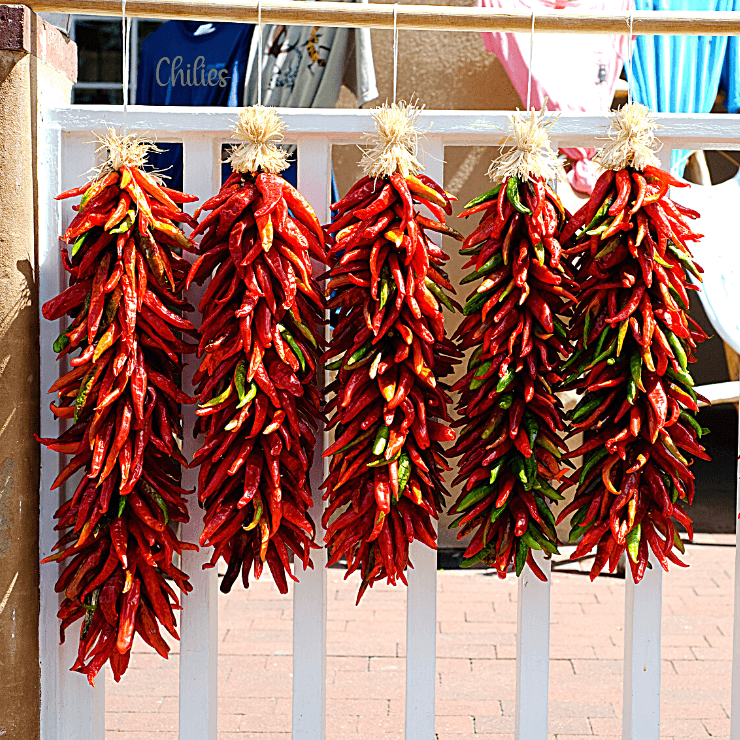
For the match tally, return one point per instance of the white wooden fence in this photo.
(70, 709)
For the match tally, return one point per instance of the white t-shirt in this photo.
(304, 67)
(718, 253)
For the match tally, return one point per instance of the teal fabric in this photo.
(730, 80)
(681, 74)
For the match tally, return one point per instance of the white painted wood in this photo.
(641, 697)
(421, 642)
(70, 709)
(718, 392)
(643, 606)
(533, 637)
(415, 17)
(421, 599)
(199, 618)
(50, 284)
(532, 652)
(309, 595)
(81, 710)
(735, 710)
(340, 126)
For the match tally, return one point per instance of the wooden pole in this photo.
(414, 17)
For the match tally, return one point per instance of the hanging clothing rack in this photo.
(408, 17)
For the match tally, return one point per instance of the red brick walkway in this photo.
(476, 667)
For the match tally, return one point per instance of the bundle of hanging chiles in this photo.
(259, 401)
(633, 341)
(511, 419)
(122, 398)
(387, 288)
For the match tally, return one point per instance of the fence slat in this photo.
(421, 642)
(50, 284)
(533, 642)
(532, 652)
(643, 607)
(421, 599)
(309, 595)
(345, 126)
(70, 709)
(735, 713)
(199, 618)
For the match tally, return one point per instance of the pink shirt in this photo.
(575, 72)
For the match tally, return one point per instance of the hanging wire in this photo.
(395, 50)
(125, 35)
(531, 53)
(629, 62)
(259, 52)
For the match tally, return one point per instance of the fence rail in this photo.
(412, 17)
(70, 710)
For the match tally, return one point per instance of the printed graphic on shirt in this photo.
(316, 52)
(288, 54)
(171, 72)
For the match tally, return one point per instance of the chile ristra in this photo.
(123, 402)
(509, 445)
(259, 402)
(633, 339)
(387, 289)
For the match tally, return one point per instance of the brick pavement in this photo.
(476, 666)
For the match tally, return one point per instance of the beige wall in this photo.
(26, 81)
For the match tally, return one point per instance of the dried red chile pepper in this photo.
(122, 399)
(634, 339)
(259, 400)
(386, 286)
(510, 444)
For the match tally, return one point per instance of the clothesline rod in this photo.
(409, 17)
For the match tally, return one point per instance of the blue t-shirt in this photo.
(191, 63)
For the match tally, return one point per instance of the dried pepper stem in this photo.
(259, 401)
(633, 341)
(122, 398)
(387, 288)
(510, 444)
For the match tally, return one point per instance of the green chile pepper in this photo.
(678, 349)
(475, 496)
(126, 224)
(404, 472)
(600, 454)
(83, 392)
(636, 370)
(495, 470)
(439, 293)
(219, 398)
(489, 266)
(512, 193)
(381, 439)
(297, 351)
(61, 342)
(521, 556)
(633, 542)
(601, 213)
(505, 382)
(359, 355)
(490, 195)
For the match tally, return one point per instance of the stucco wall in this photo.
(26, 84)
